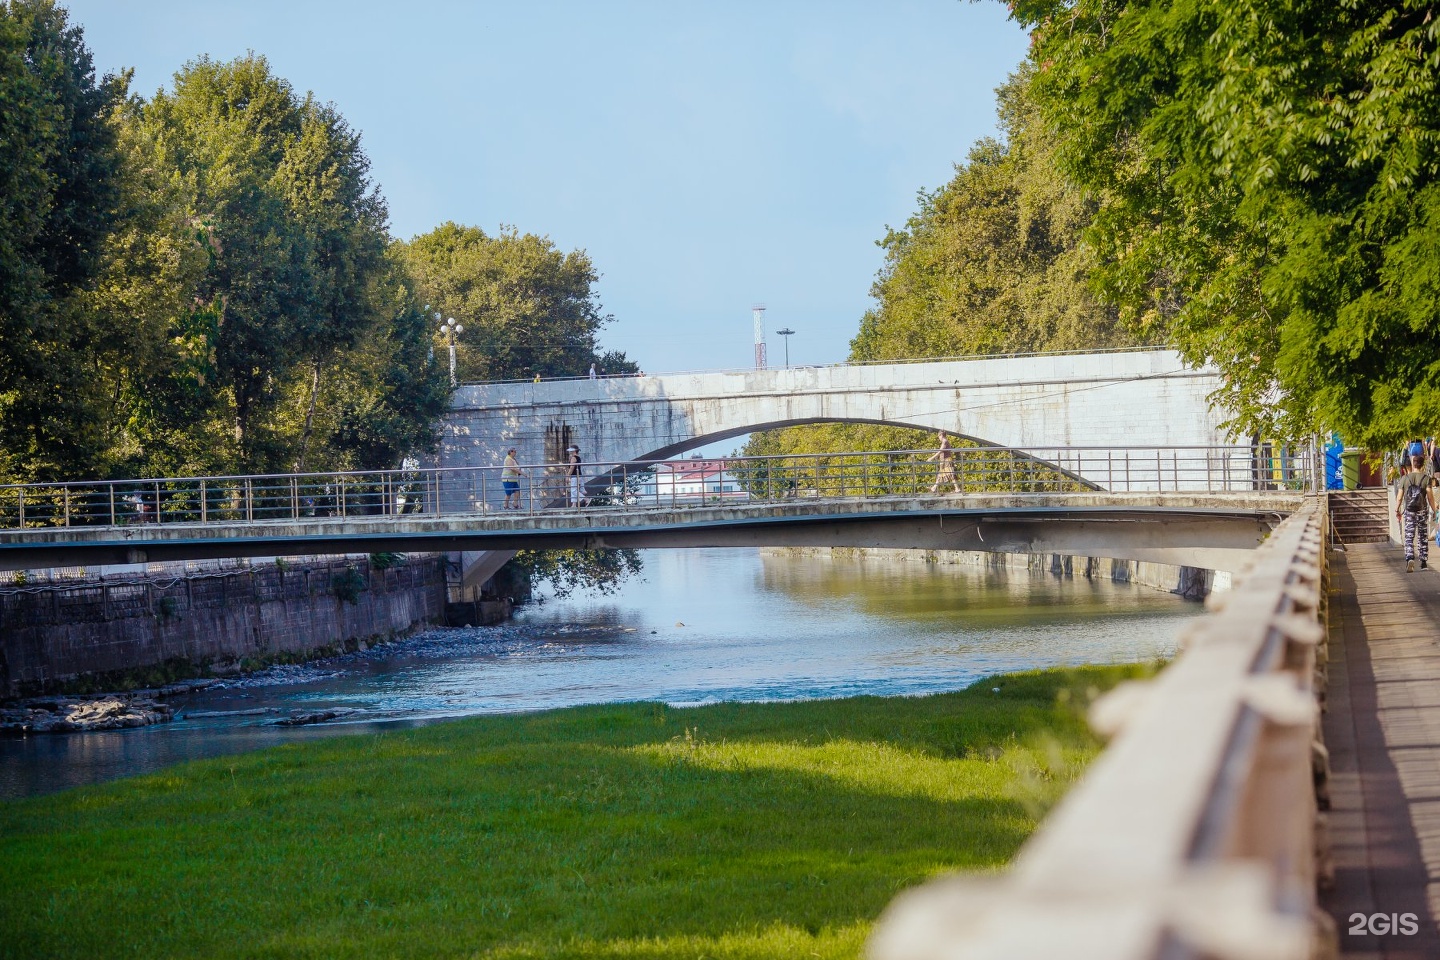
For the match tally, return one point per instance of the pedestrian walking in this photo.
(946, 473)
(574, 477)
(1414, 505)
(593, 374)
(510, 479)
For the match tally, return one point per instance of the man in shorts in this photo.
(1414, 503)
(510, 480)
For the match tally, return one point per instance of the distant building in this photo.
(690, 481)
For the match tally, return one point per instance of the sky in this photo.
(706, 156)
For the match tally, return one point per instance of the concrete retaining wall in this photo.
(1192, 583)
(58, 634)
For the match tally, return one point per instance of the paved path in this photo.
(1383, 731)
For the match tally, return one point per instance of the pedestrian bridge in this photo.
(1122, 398)
(1205, 507)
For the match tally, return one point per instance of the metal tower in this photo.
(759, 311)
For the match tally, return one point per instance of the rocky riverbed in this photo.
(109, 711)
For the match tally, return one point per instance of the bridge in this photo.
(1204, 507)
(1122, 398)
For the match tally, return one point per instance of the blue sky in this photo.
(706, 155)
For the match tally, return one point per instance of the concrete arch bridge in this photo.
(1125, 399)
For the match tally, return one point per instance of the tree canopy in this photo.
(198, 282)
(1265, 176)
(527, 308)
(991, 262)
(59, 183)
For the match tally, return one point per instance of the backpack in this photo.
(1414, 492)
(1416, 449)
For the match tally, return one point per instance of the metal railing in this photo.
(661, 484)
(1196, 833)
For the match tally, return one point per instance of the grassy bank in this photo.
(737, 830)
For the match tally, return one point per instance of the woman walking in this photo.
(946, 474)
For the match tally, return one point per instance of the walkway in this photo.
(1216, 531)
(1383, 732)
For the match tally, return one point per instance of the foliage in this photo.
(848, 459)
(199, 283)
(386, 561)
(1268, 200)
(295, 233)
(59, 173)
(348, 585)
(596, 571)
(527, 308)
(991, 262)
(634, 830)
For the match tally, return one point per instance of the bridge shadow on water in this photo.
(633, 830)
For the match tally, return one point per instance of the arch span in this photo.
(1124, 399)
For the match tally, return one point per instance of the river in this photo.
(698, 626)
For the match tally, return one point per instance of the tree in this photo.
(1268, 199)
(385, 395)
(296, 237)
(527, 308)
(58, 198)
(992, 262)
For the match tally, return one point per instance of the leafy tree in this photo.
(527, 308)
(993, 262)
(384, 396)
(58, 198)
(296, 236)
(159, 374)
(1267, 182)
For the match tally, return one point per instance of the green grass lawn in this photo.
(735, 830)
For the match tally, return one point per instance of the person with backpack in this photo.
(1414, 503)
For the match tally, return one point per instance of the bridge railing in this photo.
(661, 484)
(1196, 833)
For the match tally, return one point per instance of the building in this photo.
(689, 481)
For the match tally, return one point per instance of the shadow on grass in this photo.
(634, 830)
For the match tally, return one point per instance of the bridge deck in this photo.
(1210, 530)
(1383, 732)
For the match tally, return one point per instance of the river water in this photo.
(698, 626)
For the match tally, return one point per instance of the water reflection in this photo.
(702, 626)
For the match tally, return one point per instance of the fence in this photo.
(667, 484)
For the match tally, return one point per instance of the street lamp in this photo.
(448, 329)
(786, 332)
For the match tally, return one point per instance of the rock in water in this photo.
(65, 716)
(317, 716)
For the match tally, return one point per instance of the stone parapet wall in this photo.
(56, 634)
